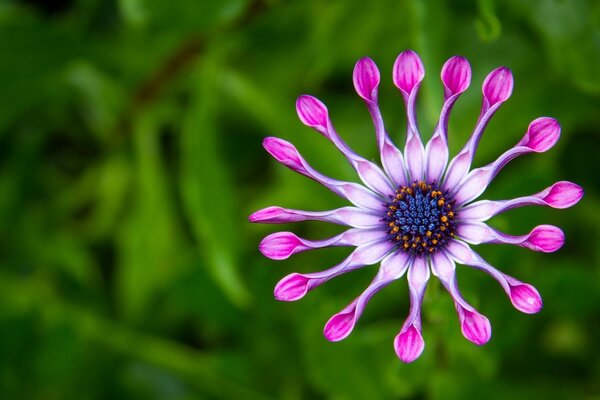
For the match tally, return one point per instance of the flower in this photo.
(416, 214)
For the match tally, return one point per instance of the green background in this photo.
(130, 158)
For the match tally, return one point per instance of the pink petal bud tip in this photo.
(284, 152)
(563, 194)
(312, 112)
(408, 71)
(339, 326)
(366, 79)
(409, 344)
(525, 298)
(280, 245)
(476, 328)
(292, 287)
(265, 214)
(456, 75)
(498, 86)
(546, 238)
(542, 134)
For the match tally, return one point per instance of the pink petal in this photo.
(546, 238)
(456, 75)
(498, 86)
(409, 344)
(475, 327)
(312, 112)
(340, 325)
(563, 194)
(408, 71)
(542, 134)
(280, 245)
(349, 216)
(366, 79)
(285, 153)
(525, 298)
(292, 287)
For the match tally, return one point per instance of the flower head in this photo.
(416, 214)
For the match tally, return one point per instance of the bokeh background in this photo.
(130, 158)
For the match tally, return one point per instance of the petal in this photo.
(545, 238)
(475, 327)
(408, 71)
(313, 113)
(436, 156)
(295, 286)
(409, 344)
(473, 324)
(366, 79)
(341, 324)
(288, 155)
(461, 253)
(415, 156)
(349, 216)
(562, 194)
(498, 86)
(542, 134)
(281, 245)
(456, 76)
(525, 298)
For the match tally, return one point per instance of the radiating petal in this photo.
(341, 324)
(295, 286)
(281, 245)
(348, 216)
(314, 114)
(366, 79)
(288, 155)
(456, 76)
(545, 238)
(463, 254)
(562, 194)
(541, 135)
(408, 74)
(525, 298)
(474, 326)
(497, 88)
(409, 344)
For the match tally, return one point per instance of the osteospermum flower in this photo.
(417, 214)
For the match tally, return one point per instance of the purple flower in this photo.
(417, 214)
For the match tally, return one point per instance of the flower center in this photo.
(420, 218)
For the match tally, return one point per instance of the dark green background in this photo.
(130, 158)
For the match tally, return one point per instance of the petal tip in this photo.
(563, 194)
(542, 134)
(409, 344)
(279, 245)
(476, 327)
(292, 287)
(312, 112)
(498, 86)
(339, 326)
(546, 238)
(525, 298)
(408, 71)
(366, 79)
(456, 75)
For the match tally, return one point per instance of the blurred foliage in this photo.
(130, 157)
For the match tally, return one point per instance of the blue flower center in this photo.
(420, 218)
